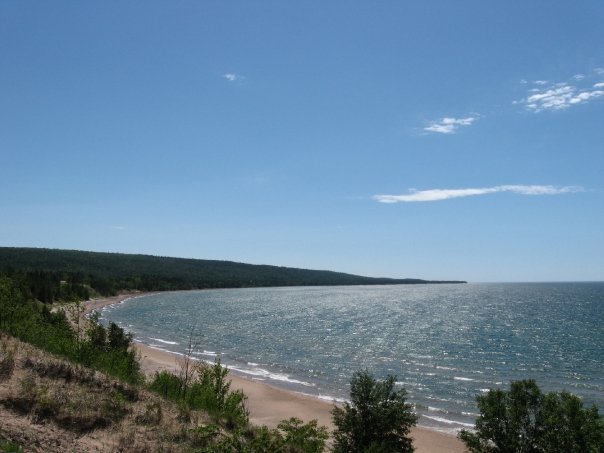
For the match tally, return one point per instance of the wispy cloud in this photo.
(118, 227)
(559, 96)
(445, 194)
(232, 77)
(449, 125)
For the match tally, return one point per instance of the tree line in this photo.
(52, 274)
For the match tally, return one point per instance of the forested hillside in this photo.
(67, 274)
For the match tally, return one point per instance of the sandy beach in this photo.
(269, 405)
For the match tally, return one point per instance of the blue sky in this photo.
(433, 139)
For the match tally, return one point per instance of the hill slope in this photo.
(147, 272)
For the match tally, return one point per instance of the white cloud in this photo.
(545, 95)
(232, 77)
(118, 227)
(560, 96)
(445, 194)
(449, 125)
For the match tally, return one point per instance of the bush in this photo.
(167, 385)
(210, 391)
(378, 419)
(7, 360)
(524, 419)
(301, 437)
(7, 446)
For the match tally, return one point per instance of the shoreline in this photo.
(267, 404)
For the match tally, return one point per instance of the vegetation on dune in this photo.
(209, 390)
(229, 430)
(68, 407)
(106, 349)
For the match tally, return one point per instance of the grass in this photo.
(7, 446)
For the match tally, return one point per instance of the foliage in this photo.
(524, 419)
(291, 436)
(167, 385)
(210, 391)
(104, 349)
(7, 360)
(378, 419)
(49, 275)
(7, 446)
(303, 437)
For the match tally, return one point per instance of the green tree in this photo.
(524, 419)
(378, 418)
(117, 339)
(97, 335)
(303, 437)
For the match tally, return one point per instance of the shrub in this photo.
(378, 419)
(7, 446)
(167, 385)
(7, 366)
(210, 391)
(526, 420)
(204, 436)
(301, 437)
(152, 415)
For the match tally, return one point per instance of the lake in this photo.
(445, 343)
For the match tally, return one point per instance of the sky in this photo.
(421, 139)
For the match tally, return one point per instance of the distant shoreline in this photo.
(269, 405)
(120, 271)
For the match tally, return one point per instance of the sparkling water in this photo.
(445, 343)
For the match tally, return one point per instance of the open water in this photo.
(445, 343)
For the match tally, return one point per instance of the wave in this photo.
(465, 379)
(208, 353)
(164, 341)
(259, 372)
(448, 421)
(331, 399)
(437, 409)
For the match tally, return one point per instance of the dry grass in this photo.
(8, 350)
(48, 404)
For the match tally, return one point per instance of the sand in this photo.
(269, 405)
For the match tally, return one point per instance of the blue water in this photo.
(445, 343)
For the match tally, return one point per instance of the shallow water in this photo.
(445, 343)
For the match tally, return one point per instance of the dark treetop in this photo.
(110, 272)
